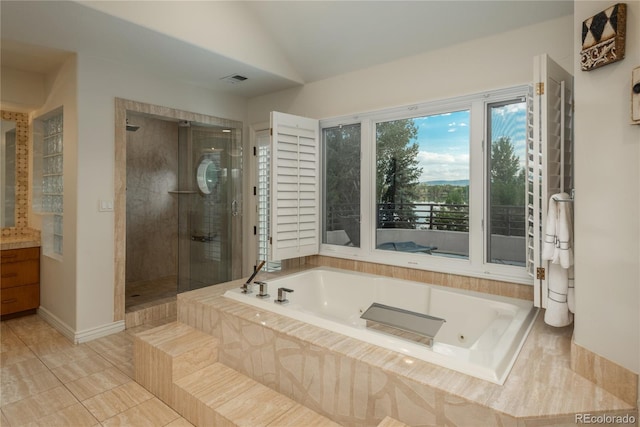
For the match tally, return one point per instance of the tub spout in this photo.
(282, 296)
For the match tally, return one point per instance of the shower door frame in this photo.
(122, 107)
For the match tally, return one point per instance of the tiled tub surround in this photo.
(481, 336)
(358, 384)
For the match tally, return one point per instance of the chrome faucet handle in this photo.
(282, 296)
(263, 290)
(247, 288)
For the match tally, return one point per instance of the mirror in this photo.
(8, 172)
(14, 170)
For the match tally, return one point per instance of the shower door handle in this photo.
(234, 208)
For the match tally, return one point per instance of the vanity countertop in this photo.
(19, 242)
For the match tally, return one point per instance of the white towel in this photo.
(557, 313)
(557, 248)
(549, 244)
(564, 246)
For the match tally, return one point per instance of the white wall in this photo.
(99, 83)
(607, 206)
(22, 91)
(489, 63)
(225, 27)
(58, 278)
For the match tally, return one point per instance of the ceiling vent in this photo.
(234, 79)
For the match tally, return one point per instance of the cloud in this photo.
(443, 166)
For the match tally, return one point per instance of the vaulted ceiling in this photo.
(275, 44)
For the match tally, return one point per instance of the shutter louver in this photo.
(549, 158)
(295, 186)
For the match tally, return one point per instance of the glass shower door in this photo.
(209, 221)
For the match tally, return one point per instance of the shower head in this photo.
(132, 128)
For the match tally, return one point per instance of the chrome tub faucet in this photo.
(247, 287)
(282, 296)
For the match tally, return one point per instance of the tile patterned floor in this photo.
(48, 381)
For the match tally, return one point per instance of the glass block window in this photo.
(48, 177)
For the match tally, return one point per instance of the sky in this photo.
(444, 140)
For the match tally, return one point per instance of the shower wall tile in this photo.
(152, 213)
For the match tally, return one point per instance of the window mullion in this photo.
(477, 187)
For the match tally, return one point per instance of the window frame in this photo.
(475, 265)
(488, 106)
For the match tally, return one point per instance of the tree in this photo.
(342, 180)
(507, 186)
(397, 173)
(507, 183)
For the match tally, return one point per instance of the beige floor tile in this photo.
(13, 391)
(76, 369)
(302, 416)
(21, 369)
(10, 342)
(151, 413)
(4, 422)
(8, 358)
(179, 422)
(117, 400)
(32, 333)
(54, 345)
(111, 343)
(67, 355)
(257, 406)
(97, 383)
(74, 415)
(33, 408)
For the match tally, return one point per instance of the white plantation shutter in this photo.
(549, 159)
(263, 198)
(295, 183)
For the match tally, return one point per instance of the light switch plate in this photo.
(105, 206)
(635, 96)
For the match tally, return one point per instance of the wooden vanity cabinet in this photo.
(20, 280)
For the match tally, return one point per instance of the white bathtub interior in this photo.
(481, 337)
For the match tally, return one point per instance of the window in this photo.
(263, 195)
(342, 185)
(437, 186)
(48, 179)
(506, 132)
(422, 184)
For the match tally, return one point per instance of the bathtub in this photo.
(481, 337)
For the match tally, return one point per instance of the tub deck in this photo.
(355, 383)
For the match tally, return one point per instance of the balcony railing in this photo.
(505, 220)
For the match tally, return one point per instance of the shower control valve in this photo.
(263, 290)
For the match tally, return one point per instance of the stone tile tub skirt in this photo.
(481, 336)
(358, 384)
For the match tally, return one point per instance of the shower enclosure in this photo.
(209, 222)
(183, 212)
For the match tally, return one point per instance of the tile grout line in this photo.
(50, 370)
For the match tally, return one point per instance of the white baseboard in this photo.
(57, 324)
(78, 337)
